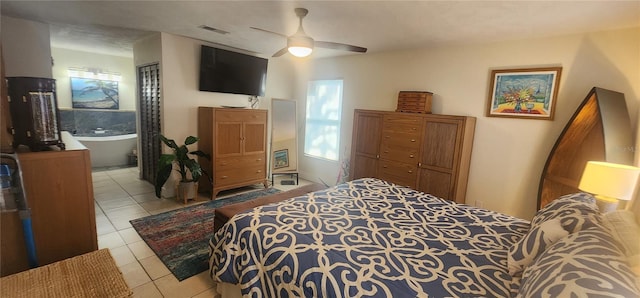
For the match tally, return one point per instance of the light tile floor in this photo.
(121, 196)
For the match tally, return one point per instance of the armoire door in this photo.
(438, 161)
(254, 138)
(228, 139)
(367, 133)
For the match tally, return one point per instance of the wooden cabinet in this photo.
(426, 152)
(59, 191)
(237, 141)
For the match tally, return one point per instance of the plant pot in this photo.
(186, 191)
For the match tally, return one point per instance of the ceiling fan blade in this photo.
(263, 30)
(339, 46)
(280, 53)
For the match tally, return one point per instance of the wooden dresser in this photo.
(237, 142)
(60, 195)
(427, 152)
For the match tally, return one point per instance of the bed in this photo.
(372, 238)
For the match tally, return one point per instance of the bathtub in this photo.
(109, 151)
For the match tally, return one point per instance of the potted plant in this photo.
(189, 169)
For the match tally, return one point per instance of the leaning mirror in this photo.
(284, 143)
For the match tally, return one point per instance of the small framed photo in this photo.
(524, 93)
(281, 158)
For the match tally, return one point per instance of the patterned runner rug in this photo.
(180, 237)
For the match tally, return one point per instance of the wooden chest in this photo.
(414, 102)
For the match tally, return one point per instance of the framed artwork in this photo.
(94, 94)
(281, 158)
(524, 93)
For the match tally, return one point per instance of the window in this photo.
(324, 109)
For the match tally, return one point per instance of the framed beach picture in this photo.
(524, 93)
(281, 158)
(94, 94)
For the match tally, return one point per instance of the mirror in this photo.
(284, 143)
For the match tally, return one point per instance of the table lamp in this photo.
(609, 183)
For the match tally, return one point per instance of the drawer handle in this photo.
(386, 137)
(386, 151)
(224, 177)
(384, 166)
(411, 155)
(259, 171)
(413, 140)
(410, 171)
(259, 159)
(413, 128)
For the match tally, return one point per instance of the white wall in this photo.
(65, 59)
(179, 59)
(25, 48)
(508, 154)
(147, 51)
(181, 97)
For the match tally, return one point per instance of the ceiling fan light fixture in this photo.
(300, 51)
(300, 45)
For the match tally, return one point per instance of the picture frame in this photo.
(88, 93)
(281, 158)
(529, 93)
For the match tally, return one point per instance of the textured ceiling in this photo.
(112, 26)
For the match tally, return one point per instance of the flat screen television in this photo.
(230, 72)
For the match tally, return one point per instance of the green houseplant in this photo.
(185, 164)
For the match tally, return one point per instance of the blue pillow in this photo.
(525, 251)
(587, 263)
(576, 211)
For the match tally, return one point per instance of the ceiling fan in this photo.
(301, 45)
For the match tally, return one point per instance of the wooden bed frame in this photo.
(600, 130)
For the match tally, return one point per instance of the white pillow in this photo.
(626, 231)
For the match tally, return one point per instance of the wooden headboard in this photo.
(599, 130)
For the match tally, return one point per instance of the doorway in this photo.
(149, 96)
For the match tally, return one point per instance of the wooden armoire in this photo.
(427, 152)
(236, 139)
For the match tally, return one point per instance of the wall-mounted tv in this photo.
(230, 72)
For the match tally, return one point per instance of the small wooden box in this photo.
(414, 102)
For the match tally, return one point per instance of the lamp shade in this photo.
(609, 180)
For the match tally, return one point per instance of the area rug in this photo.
(180, 237)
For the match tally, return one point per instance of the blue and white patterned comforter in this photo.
(366, 238)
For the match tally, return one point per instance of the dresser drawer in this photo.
(240, 115)
(239, 161)
(238, 175)
(399, 154)
(398, 173)
(402, 124)
(404, 140)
